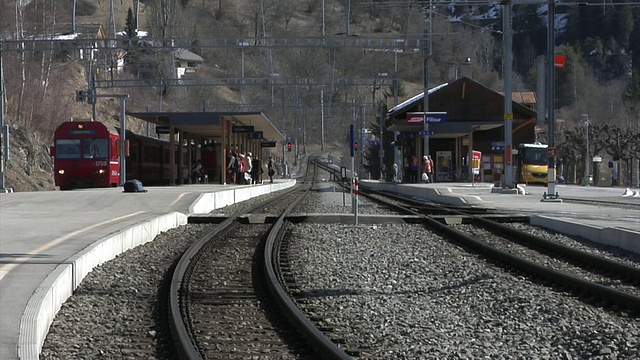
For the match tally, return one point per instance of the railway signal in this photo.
(289, 145)
(355, 146)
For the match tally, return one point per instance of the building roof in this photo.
(186, 55)
(209, 124)
(528, 98)
(468, 105)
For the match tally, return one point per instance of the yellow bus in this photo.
(533, 163)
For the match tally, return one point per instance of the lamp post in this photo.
(585, 121)
(242, 45)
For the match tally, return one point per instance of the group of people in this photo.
(413, 172)
(245, 169)
(241, 169)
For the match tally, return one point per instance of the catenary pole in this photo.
(508, 105)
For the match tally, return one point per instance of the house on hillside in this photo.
(185, 62)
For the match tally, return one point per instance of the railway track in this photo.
(595, 279)
(407, 295)
(226, 297)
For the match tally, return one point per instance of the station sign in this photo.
(161, 130)
(432, 117)
(497, 145)
(268, 144)
(374, 142)
(257, 135)
(426, 132)
(237, 129)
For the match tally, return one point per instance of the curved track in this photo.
(226, 300)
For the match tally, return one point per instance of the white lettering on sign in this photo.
(100, 163)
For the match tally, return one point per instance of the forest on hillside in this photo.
(600, 40)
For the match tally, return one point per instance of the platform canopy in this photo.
(209, 124)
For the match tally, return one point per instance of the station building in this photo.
(211, 137)
(468, 117)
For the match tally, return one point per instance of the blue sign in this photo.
(374, 142)
(256, 135)
(497, 145)
(432, 117)
(426, 132)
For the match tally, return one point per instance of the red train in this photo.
(87, 154)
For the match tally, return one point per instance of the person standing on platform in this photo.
(196, 171)
(240, 170)
(426, 169)
(394, 173)
(413, 169)
(248, 163)
(232, 164)
(270, 170)
(431, 171)
(255, 171)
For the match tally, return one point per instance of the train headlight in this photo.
(102, 171)
(61, 171)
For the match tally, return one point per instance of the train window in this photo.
(95, 148)
(68, 148)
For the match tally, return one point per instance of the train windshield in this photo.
(68, 148)
(534, 156)
(85, 148)
(95, 148)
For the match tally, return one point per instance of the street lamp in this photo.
(585, 122)
(242, 44)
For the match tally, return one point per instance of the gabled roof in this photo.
(467, 103)
(412, 101)
(186, 55)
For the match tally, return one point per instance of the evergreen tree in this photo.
(130, 26)
(131, 32)
(631, 96)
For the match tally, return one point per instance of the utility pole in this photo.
(551, 194)
(4, 130)
(425, 98)
(508, 105)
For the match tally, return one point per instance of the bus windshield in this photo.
(535, 156)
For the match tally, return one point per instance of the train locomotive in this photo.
(87, 154)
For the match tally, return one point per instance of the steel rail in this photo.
(577, 285)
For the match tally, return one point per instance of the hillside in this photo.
(40, 90)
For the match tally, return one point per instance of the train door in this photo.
(444, 167)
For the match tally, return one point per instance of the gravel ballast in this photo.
(408, 292)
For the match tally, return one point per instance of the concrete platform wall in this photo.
(60, 284)
(624, 239)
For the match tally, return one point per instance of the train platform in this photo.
(49, 241)
(613, 218)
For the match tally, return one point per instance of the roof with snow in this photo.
(186, 55)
